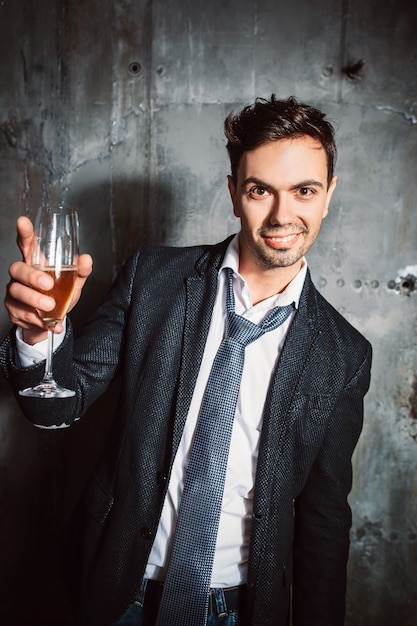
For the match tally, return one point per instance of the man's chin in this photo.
(281, 258)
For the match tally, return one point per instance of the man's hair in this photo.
(270, 120)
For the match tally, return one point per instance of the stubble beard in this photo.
(272, 260)
(268, 258)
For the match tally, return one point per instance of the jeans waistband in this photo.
(221, 601)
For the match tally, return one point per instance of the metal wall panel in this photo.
(117, 106)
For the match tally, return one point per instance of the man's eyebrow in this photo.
(252, 180)
(310, 182)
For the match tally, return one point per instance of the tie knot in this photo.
(241, 330)
(244, 331)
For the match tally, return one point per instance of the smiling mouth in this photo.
(279, 241)
(285, 239)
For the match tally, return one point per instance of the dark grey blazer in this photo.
(152, 330)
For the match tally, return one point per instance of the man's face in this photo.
(281, 196)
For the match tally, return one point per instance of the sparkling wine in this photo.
(61, 292)
(54, 251)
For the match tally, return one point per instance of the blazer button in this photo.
(146, 532)
(161, 478)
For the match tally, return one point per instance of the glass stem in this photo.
(49, 356)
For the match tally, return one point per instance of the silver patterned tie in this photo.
(185, 596)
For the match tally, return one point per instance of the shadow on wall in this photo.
(44, 473)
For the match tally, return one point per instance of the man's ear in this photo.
(330, 191)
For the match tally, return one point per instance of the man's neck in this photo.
(268, 282)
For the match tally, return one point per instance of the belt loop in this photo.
(140, 597)
(220, 601)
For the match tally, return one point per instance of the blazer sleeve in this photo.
(322, 514)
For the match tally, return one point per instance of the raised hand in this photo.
(25, 293)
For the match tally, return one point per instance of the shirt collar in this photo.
(291, 293)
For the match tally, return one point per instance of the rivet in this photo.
(134, 68)
(327, 70)
(407, 284)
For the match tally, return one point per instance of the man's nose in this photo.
(281, 210)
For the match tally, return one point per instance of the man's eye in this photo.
(259, 191)
(305, 191)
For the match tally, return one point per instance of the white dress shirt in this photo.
(232, 548)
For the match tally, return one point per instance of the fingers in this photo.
(24, 291)
(23, 315)
(28, 297)
(85, 267)
(22, 302)
(28, 275)
(24, 295)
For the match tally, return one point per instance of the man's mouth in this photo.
(278, 241)
(285, 239)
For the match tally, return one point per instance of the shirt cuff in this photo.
(32, 355)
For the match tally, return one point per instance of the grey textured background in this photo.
(117, 107)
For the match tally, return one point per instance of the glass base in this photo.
(47, 390)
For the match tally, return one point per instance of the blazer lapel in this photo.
(200, 297)
(301, 337)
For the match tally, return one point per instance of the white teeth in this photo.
(284, 239)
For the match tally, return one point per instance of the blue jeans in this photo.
(138, 615)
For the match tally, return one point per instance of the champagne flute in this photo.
(55, 251)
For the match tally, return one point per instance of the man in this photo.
(283, 533)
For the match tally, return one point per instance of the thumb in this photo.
(25, 236)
